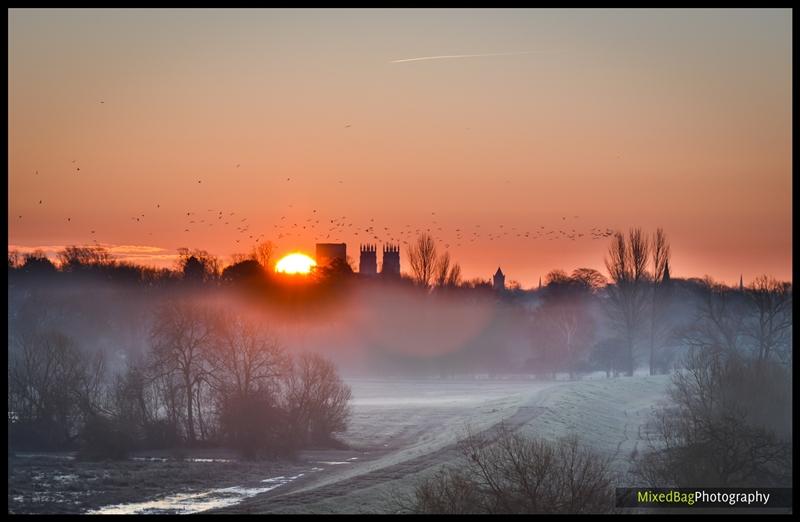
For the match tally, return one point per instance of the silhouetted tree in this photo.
(335, 272)
(245, 356)
(771, 325)
(442, 269)
(36, 263)
(627, 266)
(247, 365)
(564, 328)
(193, 270)
(316, 399)
(454, 277)
(660, 285)
(720, 321)
(423, 258)
(247, 271)
(263, 253)
(52, 386)
(608, 356)
(197, 265)
(556, 277)
(75, 258)
(590, 278)
(181, 334)
(446, 274)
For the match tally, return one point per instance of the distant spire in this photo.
(741, 283)
(666, 277)
(540, 282)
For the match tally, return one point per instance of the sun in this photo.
(295, 263)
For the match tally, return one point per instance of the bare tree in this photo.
(454, 278)
(247, 368)
(771, 330)
(564, 328)
(660, 260)
(720, 322)
(37, 263)
(53, 385)
(181, 334)
(555, 277)
(447, 275)
(442, 269)
(264, 253)
(133, 400)
(589, 277)
(627, 266)
(422, 256)
(198, 265)
(75, 257)
(316, 399)
(245, 356)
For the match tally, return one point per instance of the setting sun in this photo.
(296, 263)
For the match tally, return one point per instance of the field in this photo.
(400, 431)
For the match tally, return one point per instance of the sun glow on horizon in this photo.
(295, 263)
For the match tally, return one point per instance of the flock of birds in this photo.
(340, 228)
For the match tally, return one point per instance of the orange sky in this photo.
(621, 118)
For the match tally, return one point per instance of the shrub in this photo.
(728, 425)
(161, 434)
(103, 438)
(253, 425)
(514, 475)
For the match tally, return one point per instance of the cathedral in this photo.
(390, 266)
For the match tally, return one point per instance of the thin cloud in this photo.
(133, 253)
(449, 56)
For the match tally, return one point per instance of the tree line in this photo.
(212, 376)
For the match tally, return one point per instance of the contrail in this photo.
(447, 56)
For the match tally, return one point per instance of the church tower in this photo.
(390, 267)
(499, 280)
(368, 264)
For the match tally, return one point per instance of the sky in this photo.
(506, 133)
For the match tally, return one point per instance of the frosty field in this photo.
(400, 431)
